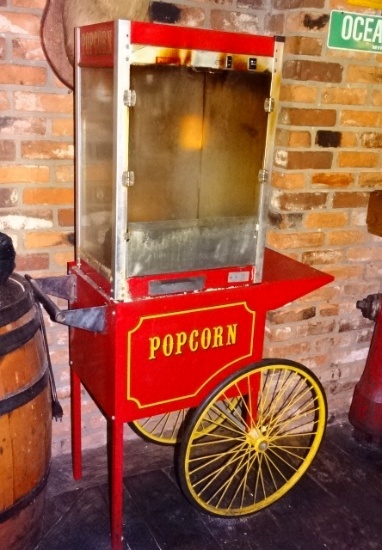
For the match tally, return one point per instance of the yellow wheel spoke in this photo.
(163, 428)
(213, 475)
(253, 438)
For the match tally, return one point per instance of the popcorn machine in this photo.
(171, 282)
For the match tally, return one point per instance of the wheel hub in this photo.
(258, 439)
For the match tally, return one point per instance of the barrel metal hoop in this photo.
(24, 501)
(19, 399)
(10, 341)
(18, 308)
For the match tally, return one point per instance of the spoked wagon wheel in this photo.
(252, 438)
(163, 428)
(167, 428)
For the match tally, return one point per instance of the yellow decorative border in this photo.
(144, 318)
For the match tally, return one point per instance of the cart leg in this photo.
(75, 385)
(115, 436)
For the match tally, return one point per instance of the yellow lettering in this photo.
(210, 337)
(154, 346)
(205, 339)
(232, 333)
(181, 339)
(218, 337)
(192, 341)
(168, 345)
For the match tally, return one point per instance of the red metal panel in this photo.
(168, 352)
(97, 41)
(97, 45)
(154, 34)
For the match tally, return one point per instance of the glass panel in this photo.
(196, 145)
(96, 120)
(233, 144)
(165, 141)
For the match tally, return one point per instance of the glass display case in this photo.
(175, 129)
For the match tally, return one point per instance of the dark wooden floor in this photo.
(337, 505)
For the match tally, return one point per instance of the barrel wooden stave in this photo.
(25, 427)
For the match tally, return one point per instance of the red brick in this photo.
(43, 239)
(308, 117)
(357, 160)
(7, 150)
(8, 197)
(51, 103)
(285, 221)
(297, 4)
(346, 272)
(376, 98)
(316, 71)
(370, 179)
(299, 160)
(3, 46)
(323, 257)
(4, 101)
(350, 200)
(372, 140)
(303, 45)
(291, 316)
(344, 96)
(234, 21)
(66, 217)
(22, 75)
(63, 127)
(64, 173)
(38, 4)
(288, 180)
(25, 22)
(45, 149)
(300, 201)
(296, 349)
(274, 23)
(24, 174)
(329, 310)
(316, 327)
(325, 220)
(27, 125)
(63, 258)
(289, 138)
(27, 48)
(364, 254)
(298, 93)
(32, 262)
(370, 74)
(361, 118)
(332, 179)
(346, 237)
(59, 196)
(284, 241)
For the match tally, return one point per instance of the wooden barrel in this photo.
(25, 417)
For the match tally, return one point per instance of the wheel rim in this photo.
(163, 428)
(256, 452)
(167, 428)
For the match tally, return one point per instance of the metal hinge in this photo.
(128, 178)
(129, 98)
(263, 176)
(269, 105)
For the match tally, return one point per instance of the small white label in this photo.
(238, 276)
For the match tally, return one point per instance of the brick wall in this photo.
(327, 160)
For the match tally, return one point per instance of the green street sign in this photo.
(355, 31)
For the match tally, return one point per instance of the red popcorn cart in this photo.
(171, 283)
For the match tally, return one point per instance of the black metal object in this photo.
(92, 318)
(7, 258)
(370, 306)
